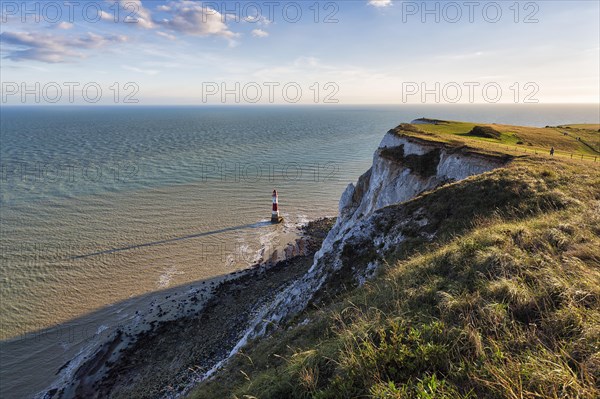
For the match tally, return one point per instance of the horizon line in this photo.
(289, 104)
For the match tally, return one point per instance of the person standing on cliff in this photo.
(552, 151)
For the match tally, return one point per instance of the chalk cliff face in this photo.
(365, 231)
(403, 168)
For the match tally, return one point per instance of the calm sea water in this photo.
(101, 207)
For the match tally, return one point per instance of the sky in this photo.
(304, 52)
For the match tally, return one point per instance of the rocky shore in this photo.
(166, 359)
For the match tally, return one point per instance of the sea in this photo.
(106, 210)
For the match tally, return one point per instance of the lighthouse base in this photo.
(276, 219)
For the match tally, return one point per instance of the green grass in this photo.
(586, 126)
(589, 133)
(503, 303)
(523, 136)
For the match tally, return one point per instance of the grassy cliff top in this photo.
(584, 126)
(503, 302)
(575, 140)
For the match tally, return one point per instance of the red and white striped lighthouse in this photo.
(275, 218)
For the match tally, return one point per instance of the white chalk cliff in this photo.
(403, 167)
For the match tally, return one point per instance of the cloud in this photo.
(52, 48)
(166, 35)
(380, 3)
(193, 18)
(64, 25)
(183, 16)
(42, 55)
(310, 62)
(141, 16)
(259, 33)
(140, 70)
(105, 16)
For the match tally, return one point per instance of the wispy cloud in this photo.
(149, 72)
(52, 48)
(64, 25)
(380, 3)
(166, 35)
(259, 33)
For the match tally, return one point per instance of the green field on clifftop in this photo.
(504, 301)
(572, 139)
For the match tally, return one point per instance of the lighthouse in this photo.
(275, 218)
